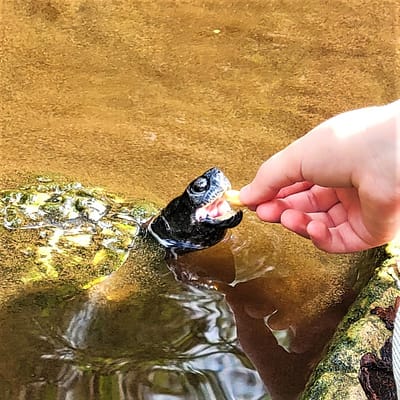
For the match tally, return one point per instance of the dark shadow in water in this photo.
(180, 344)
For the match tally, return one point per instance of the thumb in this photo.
(281, 170)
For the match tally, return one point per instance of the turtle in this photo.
(81, 235)
(87, 288)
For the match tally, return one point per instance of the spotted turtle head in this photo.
(199, 217)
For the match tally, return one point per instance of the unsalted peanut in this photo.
(232, 197)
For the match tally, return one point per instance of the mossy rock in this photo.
(360, 332)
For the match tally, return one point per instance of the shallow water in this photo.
(140, 97)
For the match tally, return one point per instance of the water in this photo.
(140, 97)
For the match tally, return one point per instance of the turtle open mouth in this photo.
(217, 211)
(199, 218)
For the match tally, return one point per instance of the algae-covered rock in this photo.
(360, 332)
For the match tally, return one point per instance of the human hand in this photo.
(339, 185)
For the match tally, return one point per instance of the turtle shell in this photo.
(66, 231)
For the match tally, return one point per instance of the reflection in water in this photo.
(77, 331)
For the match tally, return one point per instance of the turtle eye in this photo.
(200, 185)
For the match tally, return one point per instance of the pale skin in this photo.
(339, 185)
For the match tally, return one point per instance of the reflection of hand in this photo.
(339, 185)
(284, 374)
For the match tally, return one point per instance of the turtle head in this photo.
(199, 218)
